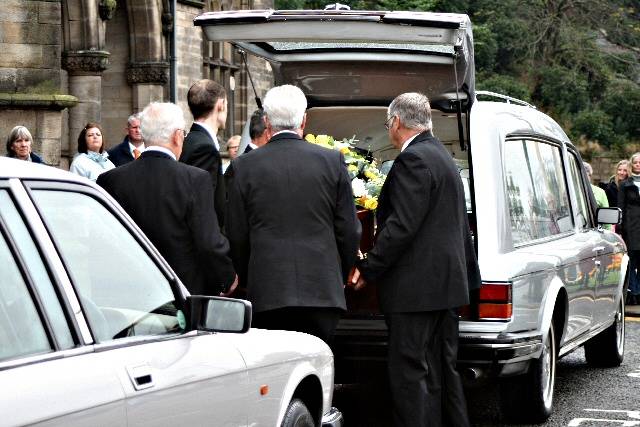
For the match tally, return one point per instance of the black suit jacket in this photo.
(200, 151)
(418, 260)
(121, 153)
(292, 224)
(173, 204)
(247, 149)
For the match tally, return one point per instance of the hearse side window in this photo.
(536, 191)
(122, 291)
(581, 200)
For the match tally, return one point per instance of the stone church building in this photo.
(67, 62)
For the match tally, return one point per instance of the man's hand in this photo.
(357, 281)
(232, 288)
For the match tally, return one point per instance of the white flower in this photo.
(358, 187)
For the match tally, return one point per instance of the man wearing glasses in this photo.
(419, 263)
(173, 204)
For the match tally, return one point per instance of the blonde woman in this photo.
(91, 159)
(19, 145)
(622, 173)
(629, 202)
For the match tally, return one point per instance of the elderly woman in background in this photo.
(622, 173)
(629, 202)
(19, 145)
(91, 159)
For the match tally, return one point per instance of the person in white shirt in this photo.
(207, 102)
(91, 159)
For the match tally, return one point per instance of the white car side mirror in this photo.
(218, 314)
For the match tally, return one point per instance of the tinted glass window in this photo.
(581, 200)
(122, 291)
(21, 329)
(536, 190)
(37, 270)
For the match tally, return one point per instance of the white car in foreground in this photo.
(96, 329)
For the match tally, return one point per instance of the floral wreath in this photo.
(366, 179)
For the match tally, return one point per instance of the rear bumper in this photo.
(333, 418)
(479, 354)
(497, 355)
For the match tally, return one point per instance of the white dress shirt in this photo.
(408, 141)
(164, 150)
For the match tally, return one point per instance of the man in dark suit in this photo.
(420, 265)
(257, 131)
(208, 104)
(132, 145)
(173, 204)
(292, 224)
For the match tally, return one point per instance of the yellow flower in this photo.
(323, 140)
(371, 203)
(310, 138)
(352, 168)
(344, 150)
(369, 174)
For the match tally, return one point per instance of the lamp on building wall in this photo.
(107, 8)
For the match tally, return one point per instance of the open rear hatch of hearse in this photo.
(356, 57)
(350, 65)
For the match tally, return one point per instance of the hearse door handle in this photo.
(598, 249)
(140, 376)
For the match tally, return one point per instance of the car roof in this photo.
(14, 168)
(512, 119)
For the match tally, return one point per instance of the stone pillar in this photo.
(85, 69)
(147, 80)
(31, 93)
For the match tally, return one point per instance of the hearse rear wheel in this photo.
(528, 398)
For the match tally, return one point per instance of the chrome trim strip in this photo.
(57, 268)
(45, 357)
(580, 340)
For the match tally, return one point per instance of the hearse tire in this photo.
(528, 398)
(297, 415)
(606, 350)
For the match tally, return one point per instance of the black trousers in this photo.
(426, 389)
(318, 321)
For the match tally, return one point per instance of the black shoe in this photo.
(631, 299)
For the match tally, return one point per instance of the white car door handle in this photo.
(598, 249)
(140, 376)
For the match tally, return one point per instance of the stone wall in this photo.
(188, 52)
(30, 73)
(117, 102)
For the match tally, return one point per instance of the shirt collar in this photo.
(162, 150)
(252, 145)
(408, 141)
(211, 133)
(133, 147)
(287, 131)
